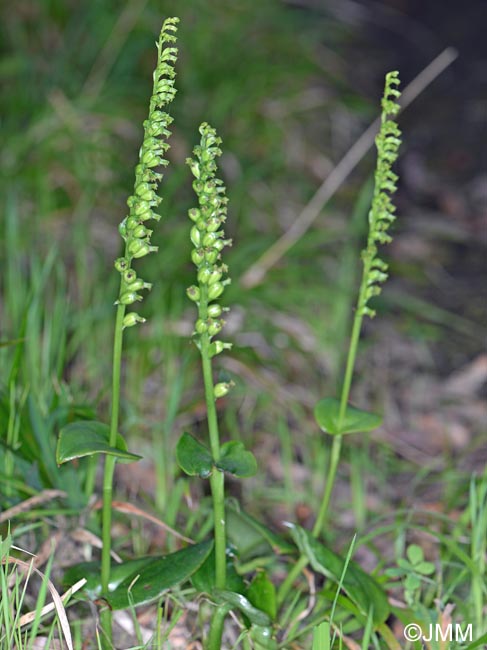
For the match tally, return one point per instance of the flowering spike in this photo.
(381, 214)
(144, 198)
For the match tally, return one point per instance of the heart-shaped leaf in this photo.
(193, 458)
(262, 594)
(361, 588)
(255, 616)
(87, 438)
(327, 415)
(150, 582)
(236, 460)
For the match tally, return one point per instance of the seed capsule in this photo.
(211, 255)
(210, 238)
(140, 232)
(139, 248)
(140, 284)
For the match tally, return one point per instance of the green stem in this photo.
(106, 615)
(337, 441)
(214, 641)
(217, 478)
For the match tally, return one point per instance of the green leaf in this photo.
(153, 579)
(415, 554)
(262, 594)
(355, 420)
(91, 572)
(204, 578)
(236, 460)
(321, 636)
(251, 538)
(361, 588)
(87, 438)
(425, 568)
(193, 457)
(255, 616)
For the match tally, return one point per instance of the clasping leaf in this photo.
(87, 438)
(327, 415)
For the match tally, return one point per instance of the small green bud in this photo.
(145, 191)
(214, 311)
(128, 298)
(211, 255)
(193, 293)
(122, 264)
(201, 224)
(215, 291)
(129, 276)
(198, 256)
(210, 238)
(194, 214)
(139, 248)
(194, 166)
(213, 224)
(195, 236)
(132, 319)
(140, 284)
(214, 277)
(140, 232)
(122, 228)
(220, 390)
(133, 222)
(204, 275)
(215, 327)
(142, 208)
(201, 326)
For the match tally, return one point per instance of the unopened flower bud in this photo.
(129, 276)
(201, 326)
(220, 390)
(214, 311)
(215, 291)
(193, 293)
(121, 264)
(204, 275)
(132, 319)
(198, 256)
(194, 214)
(128, 298)
(215, 327)
(215, 276)
(195, 236)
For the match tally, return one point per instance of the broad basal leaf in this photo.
(355, 420)
(204, 578)
(193, 457)
(152, 580)
(87, 438)
(236, 460)
(361, 588)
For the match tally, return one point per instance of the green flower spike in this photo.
(151, 156)
(208, 239)
(381, 214)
